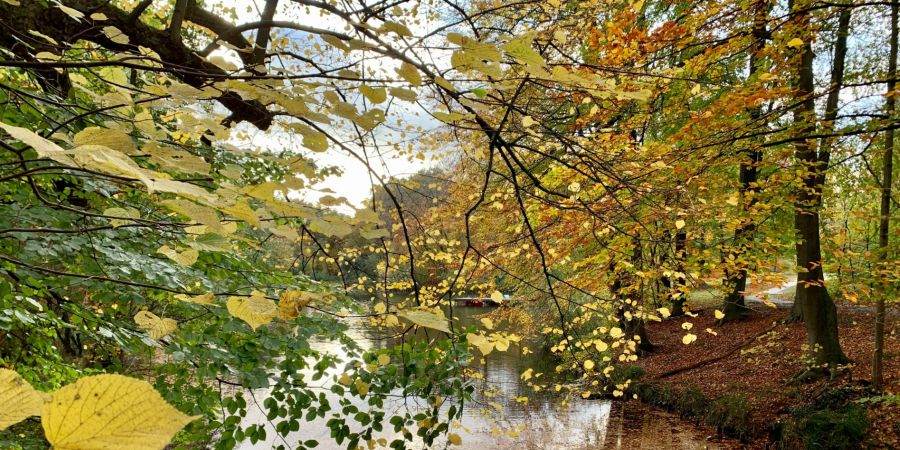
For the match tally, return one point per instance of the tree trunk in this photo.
(736, 280)
(816, 306)
(677, 295)
(885, 219)
(627, 292)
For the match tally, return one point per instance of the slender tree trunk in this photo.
(817, 308)
(736, 280)
(678, 292)
(885, 220)
(627, 292)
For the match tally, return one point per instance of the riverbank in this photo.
(737, 380)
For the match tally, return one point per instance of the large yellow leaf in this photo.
(185, 258)
(205, 299)
(410, 73)
(155, 326)
(520, 49)
(107, 160)
(484, 345)
(256, 310)
(427, 319)
(292, 302)
(375, 95)
(198, 213)
(110, 412)
(170, 158)
(114, 139)
(43, 147)
(18, 399)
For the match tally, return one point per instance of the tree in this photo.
(813, 300)
(884, 222)
(736, 277)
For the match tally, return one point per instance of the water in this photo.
(547, 420)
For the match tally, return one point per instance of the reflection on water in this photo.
(545, 421)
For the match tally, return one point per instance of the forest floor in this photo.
(756, 358)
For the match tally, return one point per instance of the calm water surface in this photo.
(544, 422)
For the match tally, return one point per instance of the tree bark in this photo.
(890, 104)
(818, 310)
(736, 280)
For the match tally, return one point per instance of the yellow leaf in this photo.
(110, 411)
(291, 303)
(454, 439)
(520, 49)
(121, 212)
(795, 43)
(396, 28)
(154, 325)
(198, 213)
(483, 344)
(116, 35)
(679, 224)
(205, 299)
(719, 315)
(527, 374)
(107, 160)
(20, 401)
(179, 160)
(588, 364)
(409, 73)
(688, 338)
(687, 325)
(497, 296)
(71, 12)
(488, 323)
(616, 332)
(362, 387)
(43, 147)
(528, 121)
(374, 95)
(114, 139)
(384, 360)
(185, 258)
(256, 310)
(403, 94)
(664, 312)
(427, 319)
(47, 56)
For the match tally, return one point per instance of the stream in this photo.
(546, 421)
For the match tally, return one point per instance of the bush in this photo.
(729, 415)
(692, 402)
(828, 429)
